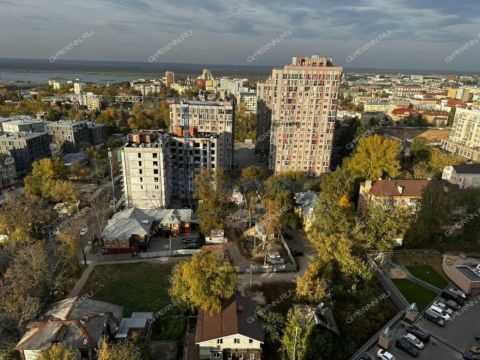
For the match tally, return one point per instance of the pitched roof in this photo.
(235, 318)
(77, 322)
(401, 111)
(410, 188)
(467, 168)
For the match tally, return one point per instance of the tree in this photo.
(251, 183)
(312, 286)
(205, 281)
(420, 151)
(375, 157)
(44, 173)
(25, 284)
(78, 170)
(125, 350)
(273, 324)
(295, 336)
(57, 352)
(214, 197)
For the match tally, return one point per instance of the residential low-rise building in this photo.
(386, 193)
(235, 333)
(464, 175)
(78, 322)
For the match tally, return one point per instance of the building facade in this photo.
(26, 124)
(145, 166)
(25, 148)
(464, 175)
(8, 173)
(71, 134)
(464, 138)
(304, 98)
(189, 119)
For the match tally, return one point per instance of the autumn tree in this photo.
(251, 183)
(312, 285)
(214, 196)
(205, 281)
(375, 157)
(295, 335)
(125, 350)
(57, 352)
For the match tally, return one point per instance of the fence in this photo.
(156, 254)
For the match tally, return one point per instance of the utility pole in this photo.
(295, 343)
(110, 156)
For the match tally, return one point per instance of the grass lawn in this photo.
(421, 258)
(138, 287)
(428, 274)
(414, 293)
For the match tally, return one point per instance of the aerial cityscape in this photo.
(239, 180)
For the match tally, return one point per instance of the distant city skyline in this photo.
(398, 34)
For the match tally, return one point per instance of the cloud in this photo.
(228, 30)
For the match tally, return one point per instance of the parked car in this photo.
(450, 295)
(441, 312)
(365, 356)
(406, 346)
(384, 355)
(190, 240)
(434, 317)
(458, 292)
(468, 355)
(450, 303)
(191, 246)
(412, 339)
(419, 333)
(444, 307)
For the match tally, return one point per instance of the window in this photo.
(236, 341)
(155, 179)
(139, 155)
(139, 163)
(219, 341)
(250, 341)
(252, 356)
(155, 163)
(218, 355)
(155, 155)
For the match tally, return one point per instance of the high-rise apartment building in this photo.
(146, 170)
(464, 138)
(303, 100)
(204, 119)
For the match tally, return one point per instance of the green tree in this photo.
(312, 286)
(214, 196)
(57, 352)
(205, 281)
(295, 336)
(251, 183)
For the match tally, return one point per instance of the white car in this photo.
(444, 307)
(412, 339)
(440, 312)
(384, 355)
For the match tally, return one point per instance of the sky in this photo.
(391, 34)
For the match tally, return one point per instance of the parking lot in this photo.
(448, 342)
(161, 243)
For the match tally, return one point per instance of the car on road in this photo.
(441, 312)
(444, 307)
(419, 333)
(384, 355)
(412, 339)
(434, 317)
(406, 346)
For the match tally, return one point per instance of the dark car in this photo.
(450, 303)
(403, 344)
(450, 295)
(365, 356)
(419, 333)
(189, 240)
(468, 355)
(191, 246)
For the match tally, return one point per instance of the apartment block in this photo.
(145, 166)
(25, 148)
(250, 100)
(464, 138)
(264, 116)
(22, 123)
(205, 119)
(304, 99)
(71, 134)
